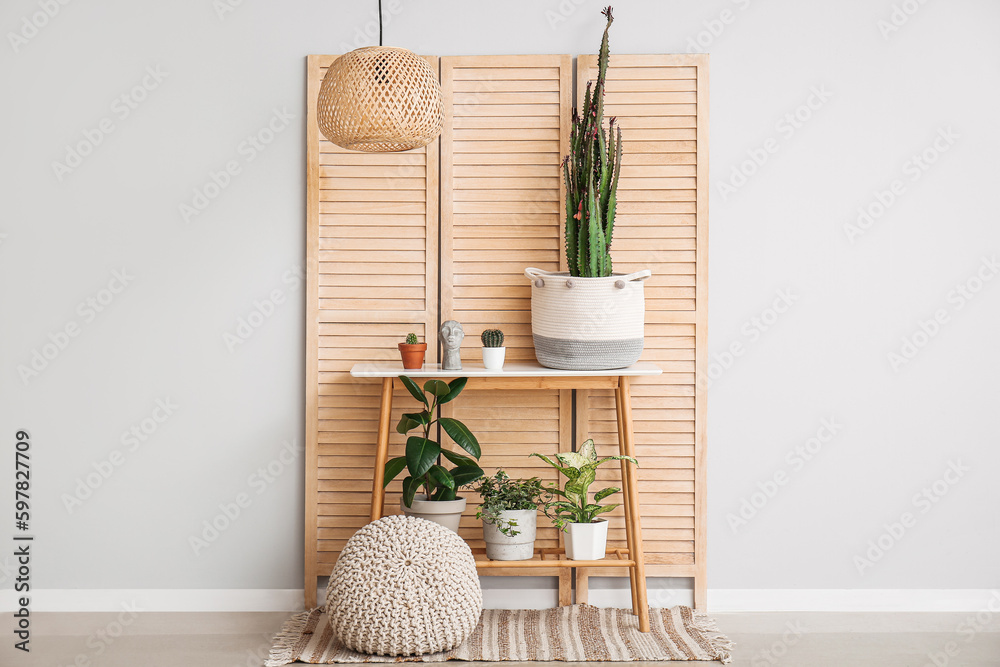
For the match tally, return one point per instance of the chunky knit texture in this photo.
(404, 586)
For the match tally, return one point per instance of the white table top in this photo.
(383, 369)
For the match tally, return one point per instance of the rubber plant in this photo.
(422, 452)
(580, 469)
(591, 173)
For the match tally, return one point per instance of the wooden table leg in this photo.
(582, 585)
(631, 490)
(382, 449)
(565, 588)
(629, 537)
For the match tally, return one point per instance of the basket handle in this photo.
(638, 275)
(534, 274)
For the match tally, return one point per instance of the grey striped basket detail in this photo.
(586, 355)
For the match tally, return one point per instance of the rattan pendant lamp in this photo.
(380, 99)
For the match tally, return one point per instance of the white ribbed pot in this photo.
(587, 324)
(516, 547)
(448, 513)
(493, 357)
(586, 541)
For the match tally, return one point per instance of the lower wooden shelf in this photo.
(554, 558)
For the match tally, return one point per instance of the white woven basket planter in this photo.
(587, 324)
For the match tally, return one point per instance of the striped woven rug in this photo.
(580, 633)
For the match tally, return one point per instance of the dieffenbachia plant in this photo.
(580, 469)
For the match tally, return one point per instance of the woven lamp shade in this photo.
(380, 99)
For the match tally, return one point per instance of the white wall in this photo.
(783, 231)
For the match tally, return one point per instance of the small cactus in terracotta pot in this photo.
(412, 352)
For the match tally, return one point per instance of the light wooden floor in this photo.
(763, 640)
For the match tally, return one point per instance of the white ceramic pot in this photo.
(587, 324)
(516, 547)
(448, 513)
(587, 541)
(493, 357)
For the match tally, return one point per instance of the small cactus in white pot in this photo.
(493, 350)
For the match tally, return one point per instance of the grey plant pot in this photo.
(448, 513)
(517, 547)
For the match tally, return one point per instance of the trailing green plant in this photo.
(492, 338)
(591, 173)
(421, 459)
(580, 469)
(501, 493)
(411, 339)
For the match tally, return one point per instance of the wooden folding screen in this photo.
(505, 130)
(373, 234)
(661, 102)
(372, 246)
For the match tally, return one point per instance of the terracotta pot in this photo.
(413, 355)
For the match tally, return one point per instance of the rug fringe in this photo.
(285, 641)
(722, 644)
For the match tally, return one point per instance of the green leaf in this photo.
(444, 493)
(410, 486)
(414, 390)
(466, 475)
(573, 459)
(574, 496)
(462, 436)
(423, 417)
(457, 459)
(588, 450)
(582, 483)
(455, 388)
(392, 468)
(604, 493)
(605, 508)
(406, 424)
(437, 387)
(617, 458)
(412, 420)
(421, 454)
(547, 460)
(566, 507)
(441, 477)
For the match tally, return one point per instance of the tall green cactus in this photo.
(591, 173)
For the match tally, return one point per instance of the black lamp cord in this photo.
(380, 22)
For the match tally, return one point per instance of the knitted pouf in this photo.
(404, 586)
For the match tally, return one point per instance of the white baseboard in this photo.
(719, 600)
(189, 600)
(852, 600)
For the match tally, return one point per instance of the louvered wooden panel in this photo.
(372, 245)
(661, 104)
(504, 135)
